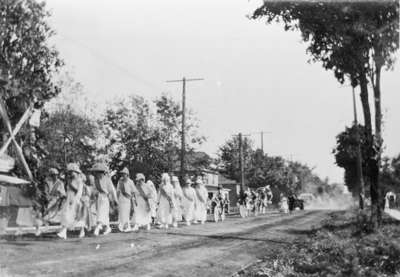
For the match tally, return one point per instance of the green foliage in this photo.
(345, 36)
(132, 140)
(345, 154)
(390, 175)
(27, 66)
(336, 249)
(27, 62)
(229, 157)
(145, 141)
(261, 170)
(68, 137)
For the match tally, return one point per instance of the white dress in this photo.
(284, 205)
(200, 213)
(188, 202)
(105, 190)
(178, 196)
(153, 198)
(125, 191)
(54, 207)
(166, 205)
(143, 195)
(72, 205)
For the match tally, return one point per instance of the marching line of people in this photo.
(85, 203)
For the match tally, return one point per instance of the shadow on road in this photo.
(227, 237)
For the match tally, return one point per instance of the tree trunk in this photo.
(372, 166)
(375, 173)
(365, 104)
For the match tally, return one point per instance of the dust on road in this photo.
(213, 249)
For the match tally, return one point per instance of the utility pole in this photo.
(183, 142)
(360, 179)
(262, 139)
(241, 163)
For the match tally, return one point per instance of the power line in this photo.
(110, 62)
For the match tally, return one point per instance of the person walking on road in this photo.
(87, 218)
(201, 201)
(126, 191)
(145, 196)
(178, 195)
(188, 202)
(72, 205)
(105, 193)
(166, 205)
(56, 195)
(284, 207)
(152, 200)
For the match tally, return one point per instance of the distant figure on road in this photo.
(166, 205)
(105, 193)
(201, 201)
(284, 207)
(218, 205)
(269, 194)
(390, 200)
(126, 191)
(188, 202)
(245, 203)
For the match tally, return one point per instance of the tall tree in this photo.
(354, 40)
(144, 139)
(169, 118)
(27, 62)
(68, 137)
(229, 158)
(345, 153)
(27, 65)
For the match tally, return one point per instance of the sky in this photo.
(256, 76)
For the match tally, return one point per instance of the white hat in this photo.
(165, 178)
(199, 180)
(139, 177)
(175, 179)
(124, 171)
(74, 167)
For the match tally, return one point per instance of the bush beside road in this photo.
(343, 246)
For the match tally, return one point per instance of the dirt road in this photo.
(213, 249)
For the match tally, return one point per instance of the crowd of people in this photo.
(85, 201)
(256, 201)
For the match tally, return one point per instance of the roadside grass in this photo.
(343, 246)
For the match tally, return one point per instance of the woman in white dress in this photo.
(144, 196)
(72, 204)
(188, 202)
(105, 193)
(178, 195)
(165, 202)
(201, 201)
(56, 194)
(87, 219)
(126, 191)
(284, 207)
(152, 200)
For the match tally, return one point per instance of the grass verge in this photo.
(343, 246)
